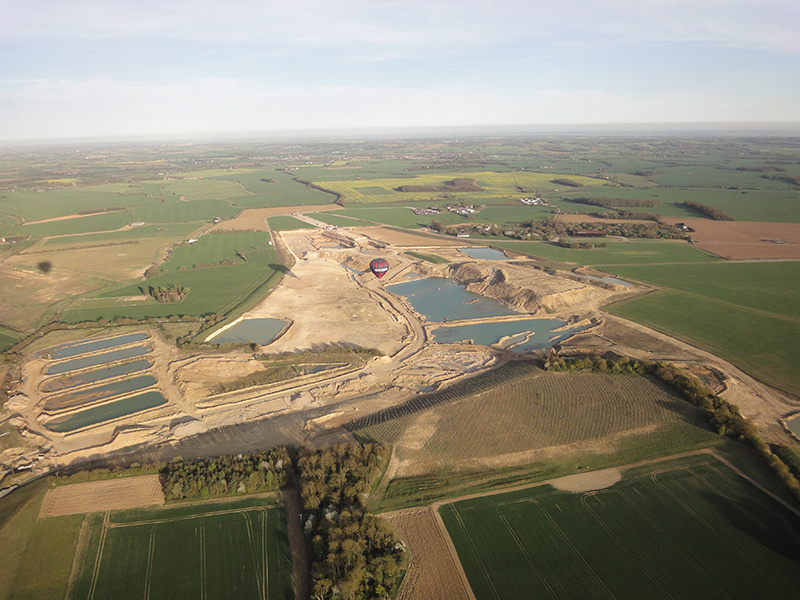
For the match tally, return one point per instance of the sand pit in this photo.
(100, 496)
(742, 240)
(587, 482)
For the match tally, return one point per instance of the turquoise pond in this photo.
(523, 336)
(260, 331)
(98, 359)
(484, 253)
(439, 299)
(106, 412)
(94, 345)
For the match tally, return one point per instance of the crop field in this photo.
(205, 189)
(677, 529)
(185, 212)
(286, 223)
(494, 185)
(755, 322)
(216, 248)
(212, 550)
(108, 221)
(36, 206)
(639, 252)
(337, 219)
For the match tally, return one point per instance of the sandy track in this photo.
(101, 496)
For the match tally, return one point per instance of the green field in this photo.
(214, 550)
(211, 550)
(634, 252)
(101, 222)
(214, 287)
(677, 529)
(185, 212)
(744, 312)
(287, 223)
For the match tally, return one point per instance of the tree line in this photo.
(709, 211)
(352, 555)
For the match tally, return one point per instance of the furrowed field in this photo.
(221, 550)
(678, 529)
(531, 423)
(230, 549)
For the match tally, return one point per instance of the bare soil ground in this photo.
(401, 238)
(587, 482)
(253, 218)
(741, 240)
(432, 574)
(100, 496)
(328, 307)
(567, 218)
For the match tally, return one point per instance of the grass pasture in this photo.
(677, 529)
(220, 550)
(287, 223)
(743, 312)
(542, 424)
(205, 189)
(109, 221)
(638, 252)
(184, 212)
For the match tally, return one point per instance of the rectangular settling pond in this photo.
(100, 392)
(95, 345)
(98, 359)
(106, 412)
(61, 383)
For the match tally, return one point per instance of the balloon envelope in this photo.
(379, 266)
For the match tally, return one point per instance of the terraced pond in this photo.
(101, 392)
(95, 345)
(99, 359)
(106, 412)
(61, 383)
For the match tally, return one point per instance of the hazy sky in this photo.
(88, 68)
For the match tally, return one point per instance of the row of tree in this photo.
(353, 555)
(709, 211)
(723, 416)
(615, 203)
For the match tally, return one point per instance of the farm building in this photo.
(593, 233)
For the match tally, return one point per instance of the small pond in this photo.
(606, 279)
(106, 412)
(523, 336)
(794, 424)
(260, 331)
(484, 253)
(439, 299)
(98, 359)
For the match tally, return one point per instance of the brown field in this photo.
(743, 240)
(432, 574)
(400, 238)
(100, 496)
(253, 218)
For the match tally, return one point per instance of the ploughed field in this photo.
(679, 529)
(519, 416)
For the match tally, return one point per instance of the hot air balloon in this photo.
(379, 266)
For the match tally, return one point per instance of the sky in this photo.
(118, 68)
